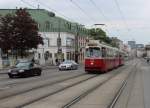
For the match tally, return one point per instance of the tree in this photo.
(6, 32)
(99, 34)
(21, 31)
(26, 32)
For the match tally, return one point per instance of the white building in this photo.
(73, 37)
(50, 47)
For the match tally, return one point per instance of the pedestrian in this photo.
(56, 61)
(17, 61)
(33, 61)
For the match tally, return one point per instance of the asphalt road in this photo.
(136, 94)
(20, 91)
(137, 91)
(146, 83)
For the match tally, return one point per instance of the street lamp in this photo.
(59, 50)
(59, 38)
(76, 45)
(99, 24)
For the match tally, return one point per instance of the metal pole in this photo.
(59, 42)
(76, 45)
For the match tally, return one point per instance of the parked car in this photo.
(68, 65)
(24, 69)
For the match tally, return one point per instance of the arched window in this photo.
(46, 55)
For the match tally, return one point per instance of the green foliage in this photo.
(114, 44)
(99, 34)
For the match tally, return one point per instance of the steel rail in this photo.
(78, 98)
(119, 92)
(29, 80)
(57, 91)
(41, 86)
(49, 94)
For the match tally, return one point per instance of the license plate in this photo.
(63, 67)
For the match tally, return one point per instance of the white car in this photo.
(68, 65)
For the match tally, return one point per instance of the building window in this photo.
(39, 55)
(46, 42)
(68, 56)
(47, 25)
(51, 26)
(68, 25)
(70, 42)
(50, 55)
(46, 55)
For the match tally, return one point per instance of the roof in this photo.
(48, 22)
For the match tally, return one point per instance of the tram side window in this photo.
(116, 54)
(87, 53)
(103, 52)
(120, 55)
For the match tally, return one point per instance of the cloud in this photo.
(136, 14)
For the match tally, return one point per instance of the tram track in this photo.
(122, 88)
(78, 98)
(17, 81)
(103, 79)
(26, 95)
(9, 101)
(108, 99)
(32, 86)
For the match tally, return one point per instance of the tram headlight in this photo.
(92, 63)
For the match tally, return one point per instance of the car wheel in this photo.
(76, 67)
(88, 72)
(39, 74)
(25, 75)
(10, 76)
(72, 68)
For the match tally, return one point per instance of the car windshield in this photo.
(67, 62)
(23, 64)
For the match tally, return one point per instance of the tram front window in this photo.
(93, 52)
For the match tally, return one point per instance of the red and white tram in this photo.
(101, 58)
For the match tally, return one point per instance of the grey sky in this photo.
(135, 12)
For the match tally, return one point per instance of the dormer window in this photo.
(47, 25)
